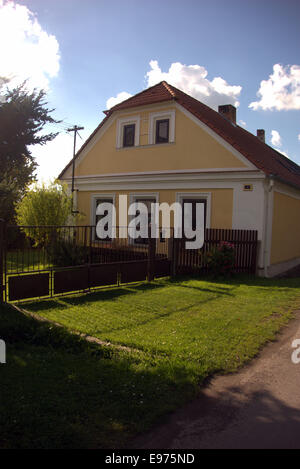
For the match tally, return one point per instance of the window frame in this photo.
(157, 116)
(157, 137)
(127, 126)
(200, 196)
(136, 197)
(121, 123)
(105, 197)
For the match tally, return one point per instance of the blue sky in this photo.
(86, 52)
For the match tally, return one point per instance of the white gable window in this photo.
(162, 127)
(128, 132)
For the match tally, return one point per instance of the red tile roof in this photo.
(257, 152)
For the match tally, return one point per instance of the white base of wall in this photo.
(281, 268)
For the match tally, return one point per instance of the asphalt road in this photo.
(258, 407)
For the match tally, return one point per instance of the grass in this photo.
(216, 326)
(27, 260)
(59, 391)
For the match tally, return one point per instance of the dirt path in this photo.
(259, 407)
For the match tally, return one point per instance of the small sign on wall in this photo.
(248, 187)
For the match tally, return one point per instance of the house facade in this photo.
(162, 145)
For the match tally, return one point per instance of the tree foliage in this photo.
(43, 206)
(23, 115)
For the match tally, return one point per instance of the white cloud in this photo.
(281, 91)
(276, 138)
(118, 99)
(27, 51)
(193, 80)
(299, 137)
(242, 123)
(53, 156)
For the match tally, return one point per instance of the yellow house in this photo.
(162, 145)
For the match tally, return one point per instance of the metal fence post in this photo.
(2, 255)
(151, 258)
(174, 247)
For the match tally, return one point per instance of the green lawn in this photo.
(59, 391)
(26, 260)
(213, 325)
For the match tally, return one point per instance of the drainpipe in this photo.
(268, 228)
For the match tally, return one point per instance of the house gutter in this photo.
(268, 227)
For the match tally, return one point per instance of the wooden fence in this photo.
(245, 248)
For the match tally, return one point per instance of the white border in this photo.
(153, 117)
(121, 122)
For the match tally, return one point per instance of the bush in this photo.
(41, 207)
(221, 260)
(64, 253)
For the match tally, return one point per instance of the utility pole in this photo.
(75, 130)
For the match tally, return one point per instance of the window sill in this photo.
(145, 146)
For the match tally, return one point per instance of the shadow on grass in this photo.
(84, 298)
(114, 293)
(58, 391)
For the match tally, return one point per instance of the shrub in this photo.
(221, 260)
(65, 253)
(41, 207)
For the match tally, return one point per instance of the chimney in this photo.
(261, 134)
(229, 112)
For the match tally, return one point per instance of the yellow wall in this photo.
(286, 228)
(193, 149)
(221, 204)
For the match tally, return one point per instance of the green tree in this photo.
(43, 206)
(23, 115)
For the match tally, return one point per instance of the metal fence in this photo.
(46, 261)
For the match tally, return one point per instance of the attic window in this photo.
(128, 132)
(128, 135)
(162, 127)
(162, 131)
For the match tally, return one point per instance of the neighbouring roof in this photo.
(257, 152)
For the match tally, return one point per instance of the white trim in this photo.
(197, 195)
(153, 117)
(171, 172)
(219, 139)
(187, 181)
(143, 195)
(121, 122)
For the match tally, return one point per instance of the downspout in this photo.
(268, 229)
